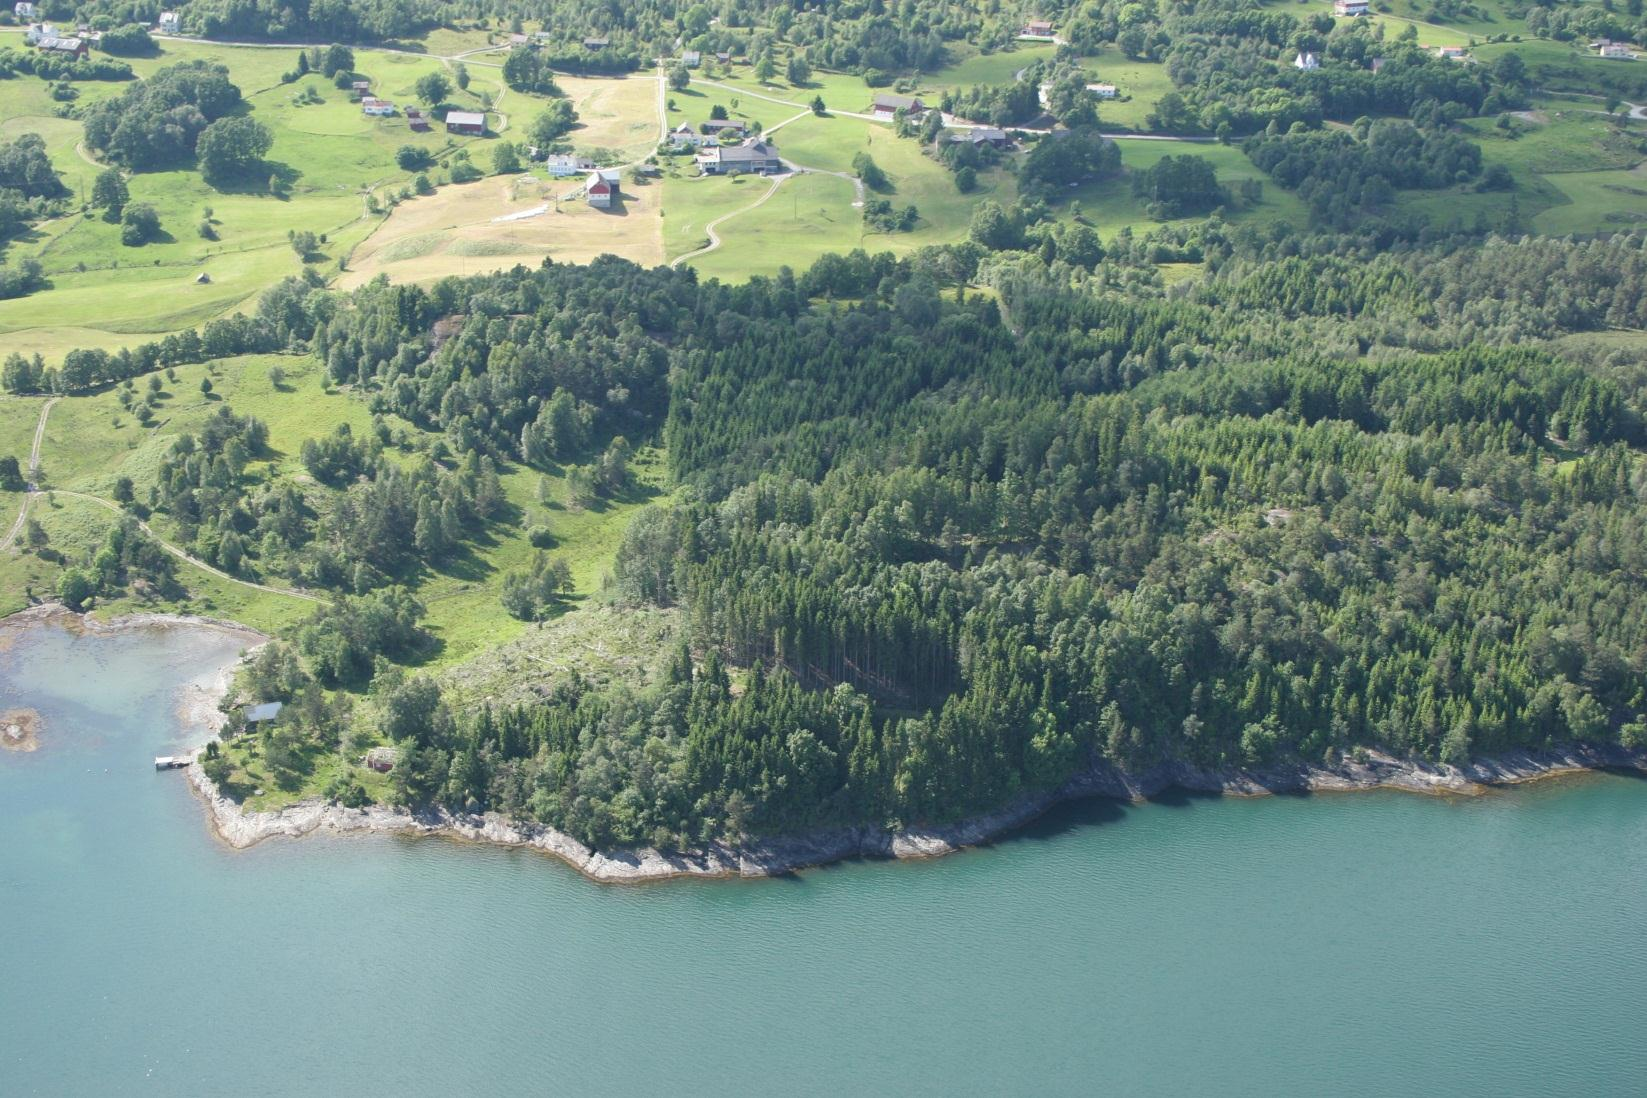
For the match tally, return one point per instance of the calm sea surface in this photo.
(1365, 944)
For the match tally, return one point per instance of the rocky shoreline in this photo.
(239, 828)
(765, 858)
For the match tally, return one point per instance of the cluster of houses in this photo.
(538, 38)
(600, 185)
(716, 131)
(1613, 51)
(48, 39)
(469, 123)
(724, 147)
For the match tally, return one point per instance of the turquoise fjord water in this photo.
(1367, 944)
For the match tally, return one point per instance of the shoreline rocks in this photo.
(770, 857)
(20, 730)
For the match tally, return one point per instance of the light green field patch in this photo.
(489, 247)
(1000, 67)
(807, 216)
(1109, 205)
(691, 202)
(1567, 141)
(1595, 202)
(1139, 87)
(411, 247)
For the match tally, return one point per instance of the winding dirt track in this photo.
(709, 229)
(30, 473)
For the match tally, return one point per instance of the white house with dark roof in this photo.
(752, 156)
(562, 165)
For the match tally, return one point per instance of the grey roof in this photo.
(897, 103)
(758, 150)
(268, 711)
(465, 118)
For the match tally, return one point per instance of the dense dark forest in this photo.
(936, 547)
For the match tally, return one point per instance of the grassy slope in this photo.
(1109, 205)
(91, 440)
(328, 153)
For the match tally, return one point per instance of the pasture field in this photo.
(1402, 15)
(219, 248)
(807, 216)
(90, 441)
(692, 201)
(1575, 172)
(1109, 205)
(693, 105)
(1139, 86)
(1558, 67)
(1000, 67)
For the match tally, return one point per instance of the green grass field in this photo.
(1109, 205)
(91, 440)
(1000, 67)
(327, 155)
(813, 213)
(1139, 86)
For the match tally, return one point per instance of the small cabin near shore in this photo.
(260, 716)
(381, 759)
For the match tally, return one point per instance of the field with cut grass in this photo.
(1565, 67)
(1402, 15)
(618, 114)
(1000, 67)
(1575, 172)
(1139, 86)
(497, 222)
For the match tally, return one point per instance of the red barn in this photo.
(469, 123)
